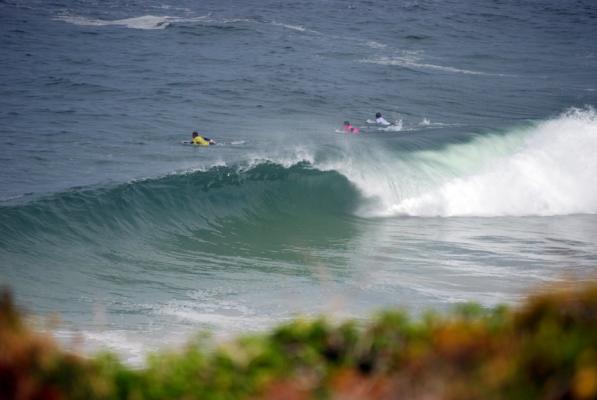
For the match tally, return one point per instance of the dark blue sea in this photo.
(483, 187)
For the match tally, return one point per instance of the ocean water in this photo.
(484, 187)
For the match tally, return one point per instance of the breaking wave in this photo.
(546, 169)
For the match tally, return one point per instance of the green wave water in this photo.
(213, 200)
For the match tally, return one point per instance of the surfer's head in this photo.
(346, 123)
(378, 115)
(195, 134)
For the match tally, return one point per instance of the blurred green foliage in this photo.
(544, 349)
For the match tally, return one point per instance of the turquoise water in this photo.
(483, 187)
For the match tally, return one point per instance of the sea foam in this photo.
(146, 22)
(548, 169)
(414, 63)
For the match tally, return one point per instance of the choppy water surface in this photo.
(484, 186)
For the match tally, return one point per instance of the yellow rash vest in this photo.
(200, 141)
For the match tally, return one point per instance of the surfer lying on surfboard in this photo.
(348, 128)
(380, 120)
(201, 140)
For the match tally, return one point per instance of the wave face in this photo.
(178, 204)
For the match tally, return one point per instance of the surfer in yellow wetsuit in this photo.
(201, 140)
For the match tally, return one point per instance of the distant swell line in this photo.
(155, 22)
(145, 22)
(404, 62)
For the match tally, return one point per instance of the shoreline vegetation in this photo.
(545, 348)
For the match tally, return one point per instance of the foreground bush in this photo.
(546, 349)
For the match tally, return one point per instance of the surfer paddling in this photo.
(380, 120)
(201, 140)
(348, 128)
